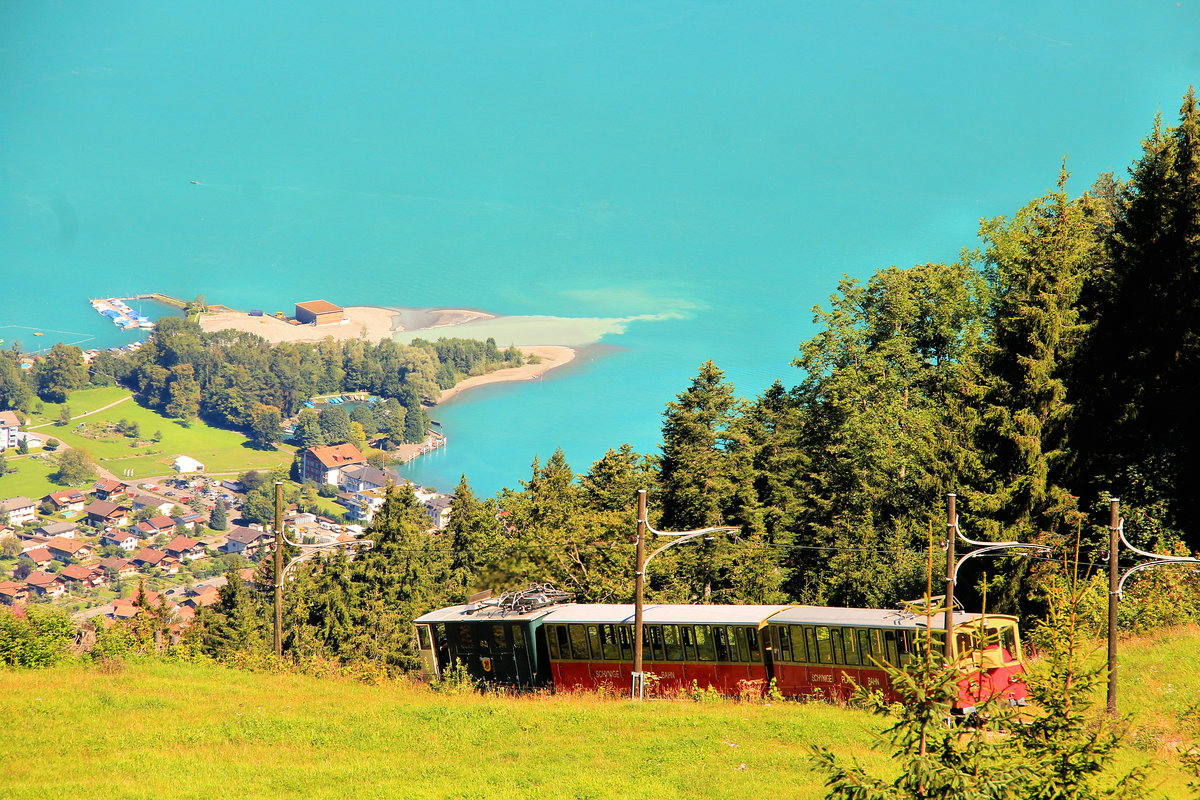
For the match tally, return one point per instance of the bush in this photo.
(37, 639)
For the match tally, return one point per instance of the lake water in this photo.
(688, 179)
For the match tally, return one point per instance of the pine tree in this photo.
(474, 535)
(219, 519)
(1136, 429)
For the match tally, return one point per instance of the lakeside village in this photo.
(95, 546)
(94, 549)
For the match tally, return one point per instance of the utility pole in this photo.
(278, 569)
(951, 534)
(1116, 588)
(639, 584)
(1114, 527)
(638, 689)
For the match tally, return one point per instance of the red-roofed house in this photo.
(185, 548)
(154, 526)
(13, 593)
(63, 548)
(148, 557)
(80, 574)
(40, 556)
(46, 584)
(102, 513)
(108, 489)
(67, 500)
(122, 566)
(324, 464)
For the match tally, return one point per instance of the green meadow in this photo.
(200, 730)
(221, 451)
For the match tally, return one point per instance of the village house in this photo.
(438, 510)
(13, 593)
(202, 596)
(64, 549)
(246, 541)
(67, 500)
(9, 425)
(45, 584)
(116, 537)
(103, 513)
(21, 510)
(122, 567)
(185, 548)
(108, 489)
(156, 504)
(77, 573)
(324, 464)
(66, 530)
(190, 521)
(31, 541)
(149, 528)
(362, 504)
(40, 556)
(148, 557)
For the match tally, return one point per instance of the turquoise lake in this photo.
(691, 177)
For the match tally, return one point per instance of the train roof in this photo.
(870, 617)
(659, 614)
(476, 613)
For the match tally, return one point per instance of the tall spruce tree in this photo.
(1136, 429)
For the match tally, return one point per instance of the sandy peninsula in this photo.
(373, 324)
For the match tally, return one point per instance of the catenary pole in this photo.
(951, 532)
(1114, 527)
(638, 689)
(278, 569)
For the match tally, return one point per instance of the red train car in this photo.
(820, 651)
(719, 646)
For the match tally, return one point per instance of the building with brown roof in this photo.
(45, 583)
(123, 567)
(40, 556)
(108, 488)
(148, 557)
(101, 513)
(185, 547)
(13, 593)
(319, 312)
(325, 464)
(63, 548)
(20, 510)
(67, 500)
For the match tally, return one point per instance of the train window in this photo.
(824, 646)
(518, 637)
(743, 648)
(721, 642)
(705, 650)
(890, 655)
(752, 640)
(593, 633)
(810, 636)
(864, 647)
(1006, 637)
(671, 640)
(835, 637)
(799, 651)
(558, 642)
(464, 635)
(626, 635)
(688, 638)
(905, 647)
(785, 643)
(850, 643)
(425, 642)
(499, 638)
(608, 640)
(579, 645)
(964, 644)
(655, 633)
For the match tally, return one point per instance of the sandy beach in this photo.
(373, 323)
(552, 356)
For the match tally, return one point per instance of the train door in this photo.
(429, 660)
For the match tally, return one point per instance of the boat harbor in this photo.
(121, 313)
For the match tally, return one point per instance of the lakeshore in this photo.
(375, 323)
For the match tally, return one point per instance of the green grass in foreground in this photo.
(200, 730)
(83, 401)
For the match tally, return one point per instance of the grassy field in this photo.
(219, 450)
(200, 731)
